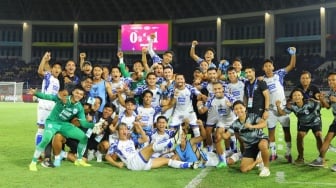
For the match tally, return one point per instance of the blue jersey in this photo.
(99, 89)
(188, 154)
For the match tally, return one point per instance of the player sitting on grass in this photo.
(124, 147)
(66, 108)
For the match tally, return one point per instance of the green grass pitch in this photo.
(18, 127)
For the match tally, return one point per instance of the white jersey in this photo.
(50, 85)
(236, 90)
(219, 112)
(125, 149)
(147, 116)
(115, 86)
(128, 120)
(157, 93)
(276, 88)
(156, 137)
(184, 99)
(209, 87)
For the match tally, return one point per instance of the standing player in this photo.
(220, 116)
(274, 81)
(50, 85)
(182, 99)
(308, 115)
(328, 101)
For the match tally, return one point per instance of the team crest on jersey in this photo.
(306, 111)
(74, 111)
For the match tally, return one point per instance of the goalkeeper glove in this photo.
(291, 50)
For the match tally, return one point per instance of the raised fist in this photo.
(291, 50)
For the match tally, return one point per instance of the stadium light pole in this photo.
(219, 38)
(75, 42)
(323, 31)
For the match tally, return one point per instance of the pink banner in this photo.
(136, 36)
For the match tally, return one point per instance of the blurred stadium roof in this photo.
(132, 10)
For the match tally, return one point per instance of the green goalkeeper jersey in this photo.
(65, 112)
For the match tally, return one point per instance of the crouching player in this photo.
(66, 108)
(124, 147)
(248, 128)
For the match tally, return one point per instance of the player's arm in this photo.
(121, 99)
(112, 160)
(122, 66)
(292, 62)
(143, 138)
(44, 64)
(280, 110)
(260, 125)
(201, 108)
(192, 51)
(324, 102)
(40, 95)
(266, 95)
(82, 119)
(82, 57)
(109, 92)
(144, 51)
(200, 138)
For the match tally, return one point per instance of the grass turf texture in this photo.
(18, 130)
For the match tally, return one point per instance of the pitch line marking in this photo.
(198, 179)
(280, 178)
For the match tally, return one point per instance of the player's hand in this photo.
(31, 91)
(332, 99)
(291, 50)
(144, 50)
(248, 126)
(194, 43)
(199, 122)
(152, 36)
(120, 54)
(82, 55)
(278, 103)
(47, 56)
(265, 115)
(120, 164)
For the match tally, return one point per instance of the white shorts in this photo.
(136, 162)
(273, 118)
(42, 115)
(178, 118)
(212, 159)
